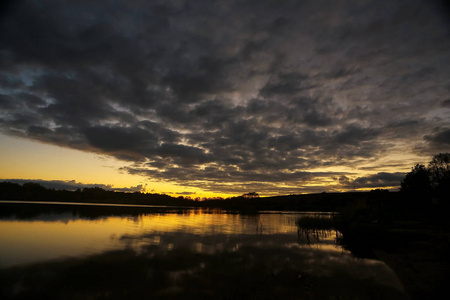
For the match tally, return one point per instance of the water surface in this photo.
(110, 252)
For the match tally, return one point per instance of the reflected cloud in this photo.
(239, 272)
(187, 255)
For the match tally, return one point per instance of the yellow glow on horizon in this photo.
(30, 160)
(25, 159)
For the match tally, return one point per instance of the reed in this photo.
(317, 223)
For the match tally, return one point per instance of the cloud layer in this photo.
(229, 95)
(72, 185)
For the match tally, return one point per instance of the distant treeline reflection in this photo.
(27, 211)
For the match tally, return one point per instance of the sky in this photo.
(220, 98)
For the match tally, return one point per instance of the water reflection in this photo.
(180, 254)
(58, 234)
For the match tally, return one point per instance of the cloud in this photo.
(441, 137)
(137, 188)
(72, 185)
(382, 179)
(378, 180)
(439, 140)
(185, 193)
(205, 92)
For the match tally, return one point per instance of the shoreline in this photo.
(418, 256)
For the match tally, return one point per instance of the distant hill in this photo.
(308, 202)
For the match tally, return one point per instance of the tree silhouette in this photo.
(425, 183)
(439, 169)
(416, 183)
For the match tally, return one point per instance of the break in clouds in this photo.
(232, 95)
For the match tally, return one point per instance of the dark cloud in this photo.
(215, 93)
(6, 102)
(441, 137)
(381, 179)
(284, 85)
(354, 135)
(439, 140)
(135, 141)
(72, 185)
(137, 188)
(378, 180)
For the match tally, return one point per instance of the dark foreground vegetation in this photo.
(414, 243)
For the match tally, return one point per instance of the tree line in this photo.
(35, 192)
(431, 183)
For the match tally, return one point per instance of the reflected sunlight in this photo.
(71, 235)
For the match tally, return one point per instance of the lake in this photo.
(80, 251)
